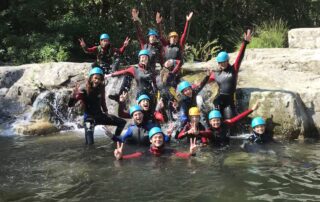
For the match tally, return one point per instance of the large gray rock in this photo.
(304, 38)
(10, 74)
(40, 77)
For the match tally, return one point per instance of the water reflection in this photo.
(61, 168)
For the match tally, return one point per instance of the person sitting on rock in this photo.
(137, 132)
(157, 147)
(226, 79)
(105, 53)
(189, 98)
(92, 97)
(142, 76)
(167, 83)
(219, 135)
(193, 128)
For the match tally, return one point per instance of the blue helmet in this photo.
(144, 52)
(154, 131)
(152, 32)
(104, 36)
(222, 56)
(257, 121)
(214, 114)
(183, 85)
(143, 97)
(135, 108)
(95, 70)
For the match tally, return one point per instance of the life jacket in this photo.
(104, 56)
(155, 51)
(173, 51)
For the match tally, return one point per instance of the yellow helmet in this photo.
(171, 34)
(194, 111)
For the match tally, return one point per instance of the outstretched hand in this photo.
(82, 43)
(135, 14)
(193, 145)
(118, 151)
(247, 35)
(188, 17)
(123, 97)
(107, 76)
(158, 18)
(126, 42)
(256, 106)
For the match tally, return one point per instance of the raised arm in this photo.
(192, 150)
(123, 47)
(246, 40)
(136, 21)
(129, 71)
(242, 115)
(162, 38)
(184, 34)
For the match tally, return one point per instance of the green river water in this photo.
(61, 168)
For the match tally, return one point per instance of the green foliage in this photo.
(271, 34)
(35, 31)
(201, 51)
(51, 53)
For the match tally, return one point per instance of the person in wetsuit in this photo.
(105, 53)
(92, 97)
(193, 128)
(142, 76)
(137, 132)
(226, 79)
(173, 48)
(189, 99)
(219, 133)
(157, 147)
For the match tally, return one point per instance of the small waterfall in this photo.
(52, 106)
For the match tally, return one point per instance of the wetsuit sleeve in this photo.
(122, 112)
(133, 155)
(167, 138)
(184, 35)
(122, 49)
(177, 66)
(205, 133)
(90, 50)
(238, 117)
(158, 116)
(183, 115)
(163, 40)
(103, 101)
(127, 134)
(139, 34)
(182, 133)
(183, 155)
(202, 84)
(240, 56)
(129, 71)
(212, 77)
